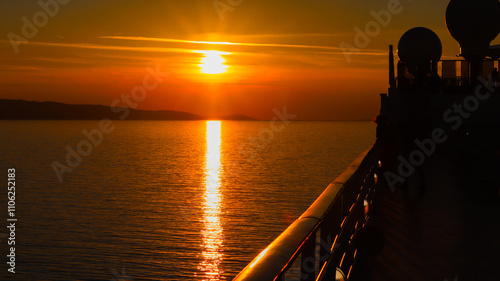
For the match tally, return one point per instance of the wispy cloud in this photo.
(134, 38)
(309, 48)
(107, 47)
(291, 35)
(153, 39)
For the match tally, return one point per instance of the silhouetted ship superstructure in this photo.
(423, 202)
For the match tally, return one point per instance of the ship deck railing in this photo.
(454, 75)
(318, 244)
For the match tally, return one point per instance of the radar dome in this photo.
(419, 45)
(473, 23)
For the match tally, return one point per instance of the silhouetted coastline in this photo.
(33, 110)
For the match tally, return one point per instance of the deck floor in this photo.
(450, 231)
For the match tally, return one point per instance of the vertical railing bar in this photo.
(324, 252)
(307, 272)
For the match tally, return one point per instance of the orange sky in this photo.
(284, 53)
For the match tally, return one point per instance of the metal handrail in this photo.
(335, 215)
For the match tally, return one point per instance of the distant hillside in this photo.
(32, 110)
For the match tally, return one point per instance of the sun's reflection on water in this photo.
(212, 232)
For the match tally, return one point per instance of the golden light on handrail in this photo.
(259, 257)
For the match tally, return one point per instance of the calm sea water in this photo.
(163, 200)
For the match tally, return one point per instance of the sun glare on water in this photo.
(213, 62)
(212, 233)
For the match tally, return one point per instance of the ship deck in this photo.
(448, 231)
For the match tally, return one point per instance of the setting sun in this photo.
(213, 62)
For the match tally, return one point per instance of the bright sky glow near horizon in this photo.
(255, 56)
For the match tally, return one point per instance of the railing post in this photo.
(324, 246)
(308, 259)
